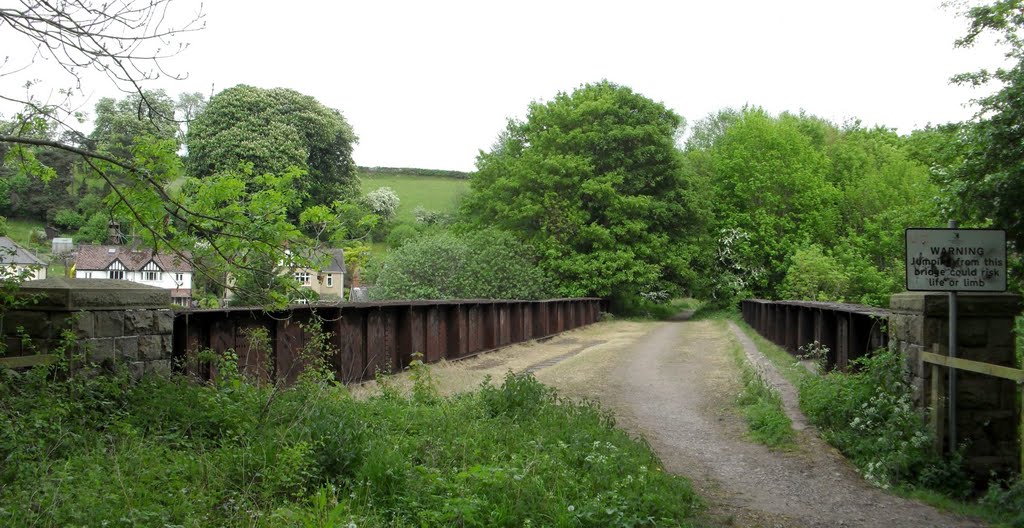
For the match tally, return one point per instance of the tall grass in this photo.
(168, 452)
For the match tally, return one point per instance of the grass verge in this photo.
(168, 452)
(762, 406)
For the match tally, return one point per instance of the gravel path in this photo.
(676, 387)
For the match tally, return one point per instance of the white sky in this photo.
(429, 84)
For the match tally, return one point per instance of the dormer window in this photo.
(115, 270)
(152, 272)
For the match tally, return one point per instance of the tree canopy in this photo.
(805, 208)
(120, 122)
(593, 180)
(989, 184)
(275, 130)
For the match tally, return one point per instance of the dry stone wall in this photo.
(113, 322)
(987, 413)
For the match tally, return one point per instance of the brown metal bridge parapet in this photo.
(373, 337)
(848, 331)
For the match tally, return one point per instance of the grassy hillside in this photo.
(20, 230)
(416, 187)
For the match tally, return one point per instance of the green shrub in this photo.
(68, 219)
(1007, 497)
(487, 264)
(400, 234)
(868, 414)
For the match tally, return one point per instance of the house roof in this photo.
(12, 253)
(337, 262)
(89, 257)
(335, 258)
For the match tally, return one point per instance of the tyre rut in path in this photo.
(677, 386)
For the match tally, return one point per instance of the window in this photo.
(330, 280)
(302, 277)
(117, 274)
(151, 276)
(179, 278)
(88, 275)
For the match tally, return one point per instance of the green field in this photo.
(434, 193)
(19, 230)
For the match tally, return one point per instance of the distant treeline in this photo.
(413, 172)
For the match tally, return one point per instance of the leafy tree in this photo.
(815, 276)
(24, 194)
(119, 122)
(593, 181)
(487, 264)
(383, 201)
(785, 185)
(770, 181)
(275, 130)
(990, 182)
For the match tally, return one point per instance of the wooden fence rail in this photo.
(937, 359)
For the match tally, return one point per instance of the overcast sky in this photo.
(429, 84)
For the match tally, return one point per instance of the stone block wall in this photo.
(987, 412)
(112, 321)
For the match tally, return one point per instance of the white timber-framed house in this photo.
(171, 272)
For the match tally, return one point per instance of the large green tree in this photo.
(801, 203)
(119, 122)
(593, 180)
(275, 130)
(771, 191)
(989, 183)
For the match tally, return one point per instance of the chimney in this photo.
(114, 233)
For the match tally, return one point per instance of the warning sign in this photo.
(960, 260)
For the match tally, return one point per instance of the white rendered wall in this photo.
(165, 281)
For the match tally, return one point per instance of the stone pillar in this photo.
(114, 322)
(987, 411)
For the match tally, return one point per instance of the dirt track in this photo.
(675, 384)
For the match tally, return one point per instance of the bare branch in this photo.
(126, 40)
